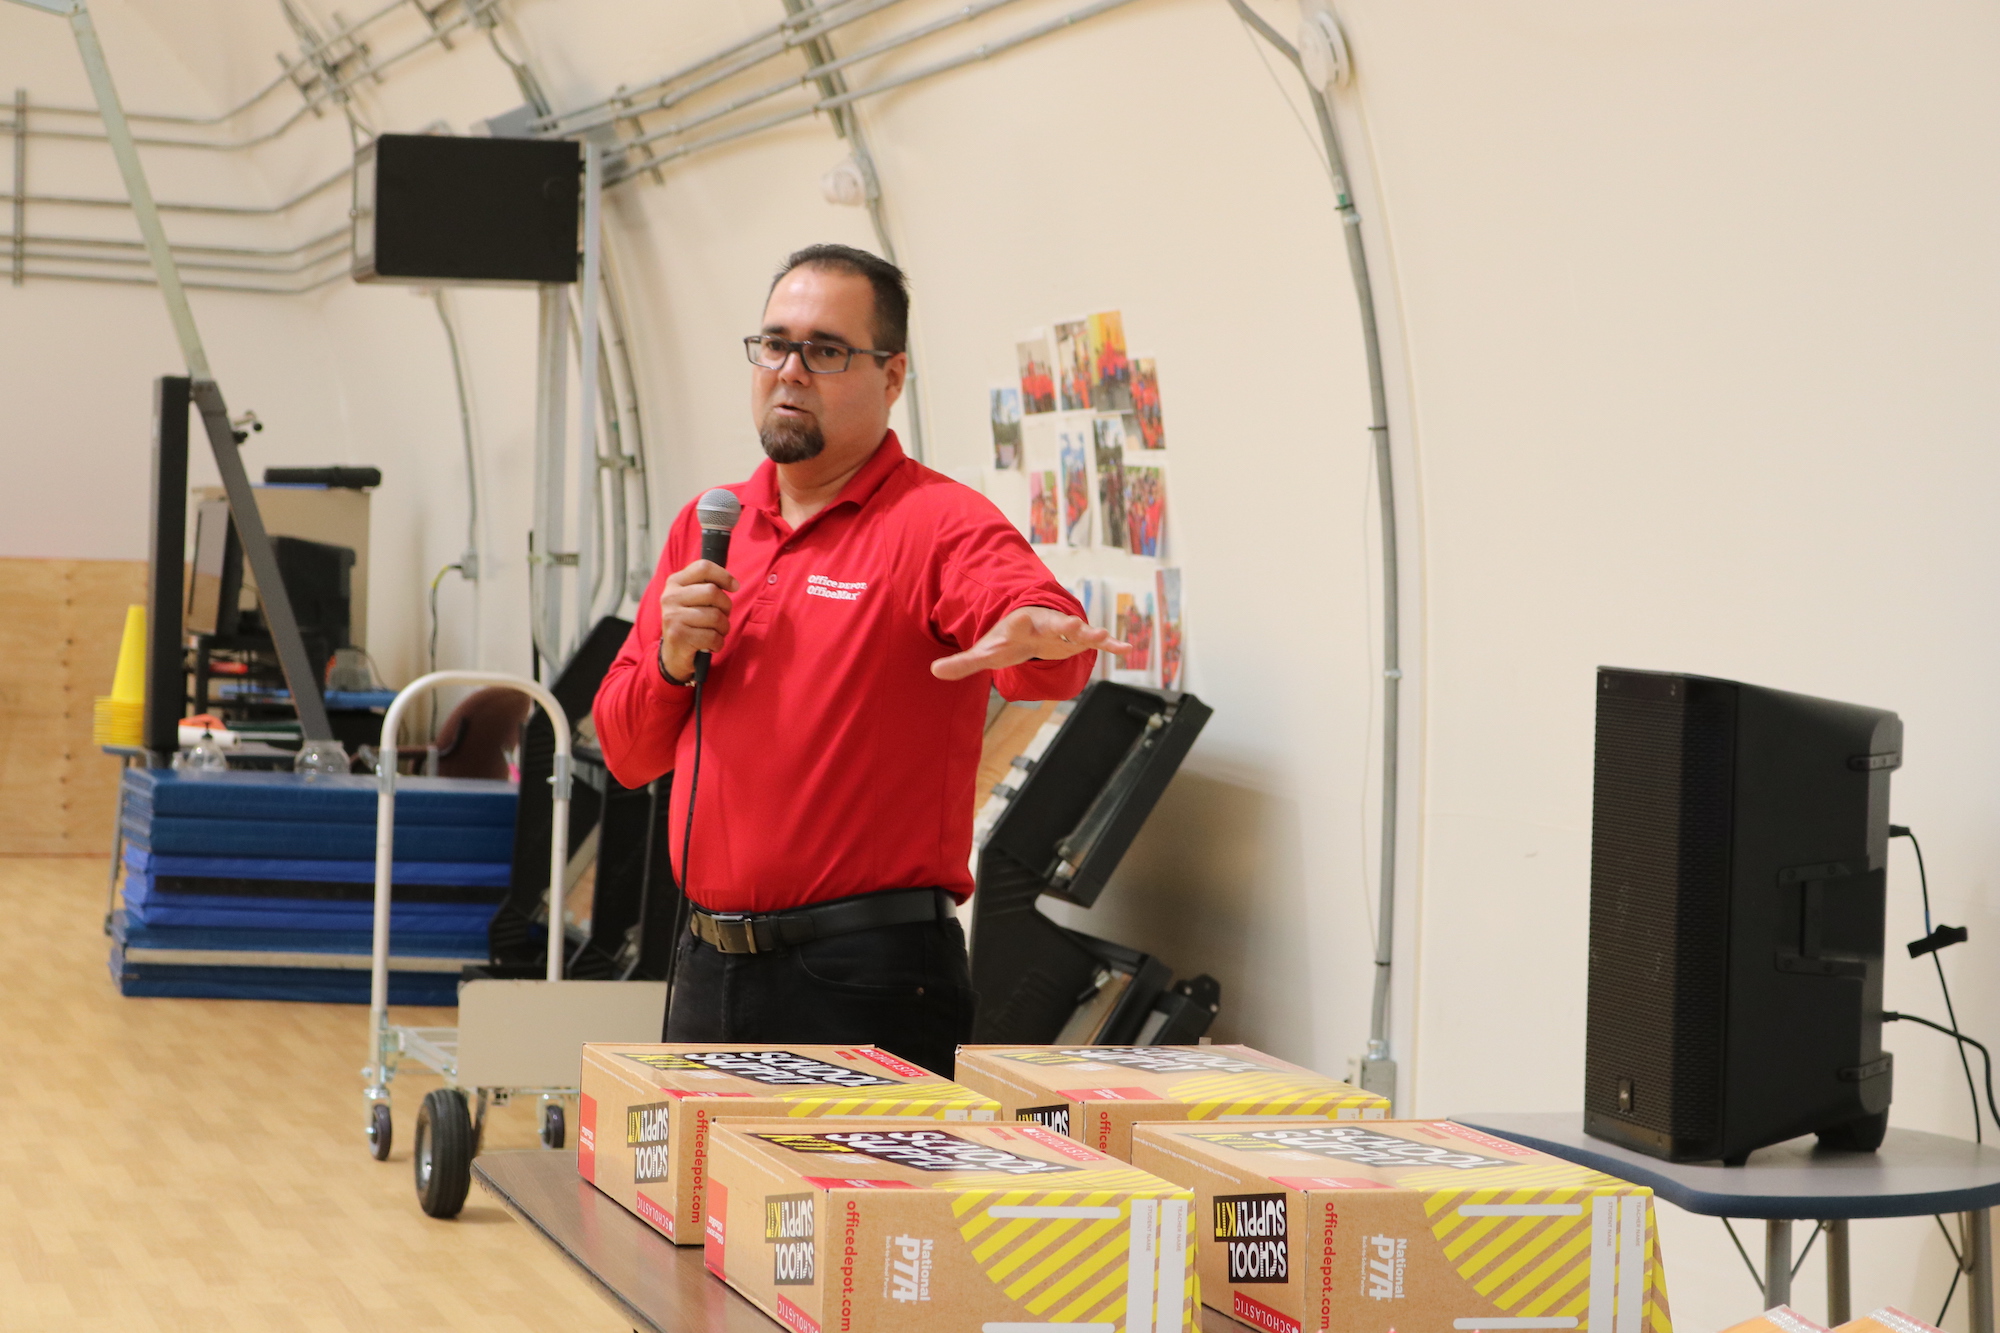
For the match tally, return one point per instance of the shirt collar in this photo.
(762, 488)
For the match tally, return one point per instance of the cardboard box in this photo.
(1888, 1319)
(1780, 1319)
(1419, 1226)
(888, 1226)
(1095, 1094)
(642, 1131)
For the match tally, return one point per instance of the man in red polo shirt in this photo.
(867, 605)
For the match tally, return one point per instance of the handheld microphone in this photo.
(717, 511)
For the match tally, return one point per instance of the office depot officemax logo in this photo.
(778, 1068)
(1252, 1228)
(1348, 1143)
(919, 1149)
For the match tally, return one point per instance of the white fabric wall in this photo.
(1688, 311)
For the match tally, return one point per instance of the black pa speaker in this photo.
(1739, 843)
(432, 208)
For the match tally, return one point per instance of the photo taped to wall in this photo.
(1004, 411)
(1111, 370)
(1038, 379)
(1146, 404)
(1076, 485)
(1173, 629)
(1134, 618)
(1109, 444)
(1043, 500)
(1073, 368)
(1145, 510)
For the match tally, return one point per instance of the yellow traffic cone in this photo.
(119, 717)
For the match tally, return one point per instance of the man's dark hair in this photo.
(892, 289)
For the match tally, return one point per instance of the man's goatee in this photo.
(790, 442)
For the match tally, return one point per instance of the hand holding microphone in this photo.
(695, 603)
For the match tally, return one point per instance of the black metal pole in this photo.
(263, 561)
(166, 684)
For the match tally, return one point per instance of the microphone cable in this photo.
(1936, 945)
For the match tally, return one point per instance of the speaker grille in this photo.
(1659, 881)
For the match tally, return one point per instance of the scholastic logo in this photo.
(586, 1138)
(1259, 1315)
(889, 1062)
(658, 1216)
(1442, 1127)
(792, 1317)
(819, 585)
(1068, 1147)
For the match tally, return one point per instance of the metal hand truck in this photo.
(515, 1038)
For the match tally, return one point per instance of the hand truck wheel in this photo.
(443, 1152)
(381, 1131)
(552, 1125)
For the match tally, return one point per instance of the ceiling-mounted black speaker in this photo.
(432, 208)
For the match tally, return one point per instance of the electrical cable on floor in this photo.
(1951, 1015)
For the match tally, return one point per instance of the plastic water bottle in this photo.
(316, 758)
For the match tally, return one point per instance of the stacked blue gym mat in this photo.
(261, 886)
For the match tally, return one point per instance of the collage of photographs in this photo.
(1083, 422)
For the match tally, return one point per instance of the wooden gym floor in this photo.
(199, 1164)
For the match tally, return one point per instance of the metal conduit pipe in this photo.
(333, 86)
(620, 105)
(985, 51)
(247, 103)
(1378, 1068)
(338, 235)
(219, 210)
(296, 290)
(31, 251)
(733, 68)
(848, 126)
(825, 70)
(632, 581)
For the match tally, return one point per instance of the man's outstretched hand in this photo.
(1023, 635)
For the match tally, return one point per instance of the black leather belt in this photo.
(767, 932)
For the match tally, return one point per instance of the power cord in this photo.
(1934, 942)
(687, 844)
(1992, 1108)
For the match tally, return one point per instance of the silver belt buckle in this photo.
(735, 932)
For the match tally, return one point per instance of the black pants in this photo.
(905, 988)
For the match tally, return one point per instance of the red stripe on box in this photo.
(890, 1062)
(586, 1138)
(712, 1232)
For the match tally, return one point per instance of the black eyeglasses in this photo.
(820, 358)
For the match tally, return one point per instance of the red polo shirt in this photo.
(833, 761)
